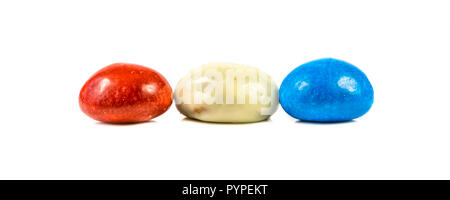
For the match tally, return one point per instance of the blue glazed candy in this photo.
(326, 90)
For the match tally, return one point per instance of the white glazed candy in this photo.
(228, 93)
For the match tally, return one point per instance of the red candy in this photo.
(125, 93)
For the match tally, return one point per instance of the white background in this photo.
(48, 49)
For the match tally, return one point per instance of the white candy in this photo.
(226, 92)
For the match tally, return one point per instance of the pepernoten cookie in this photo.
(227, 93)
(326, 90)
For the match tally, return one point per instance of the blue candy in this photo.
(326, 90)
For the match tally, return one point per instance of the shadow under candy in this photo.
(324, 123)
(186, 119)
(125, 123)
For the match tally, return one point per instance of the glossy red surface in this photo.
(125, 93)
